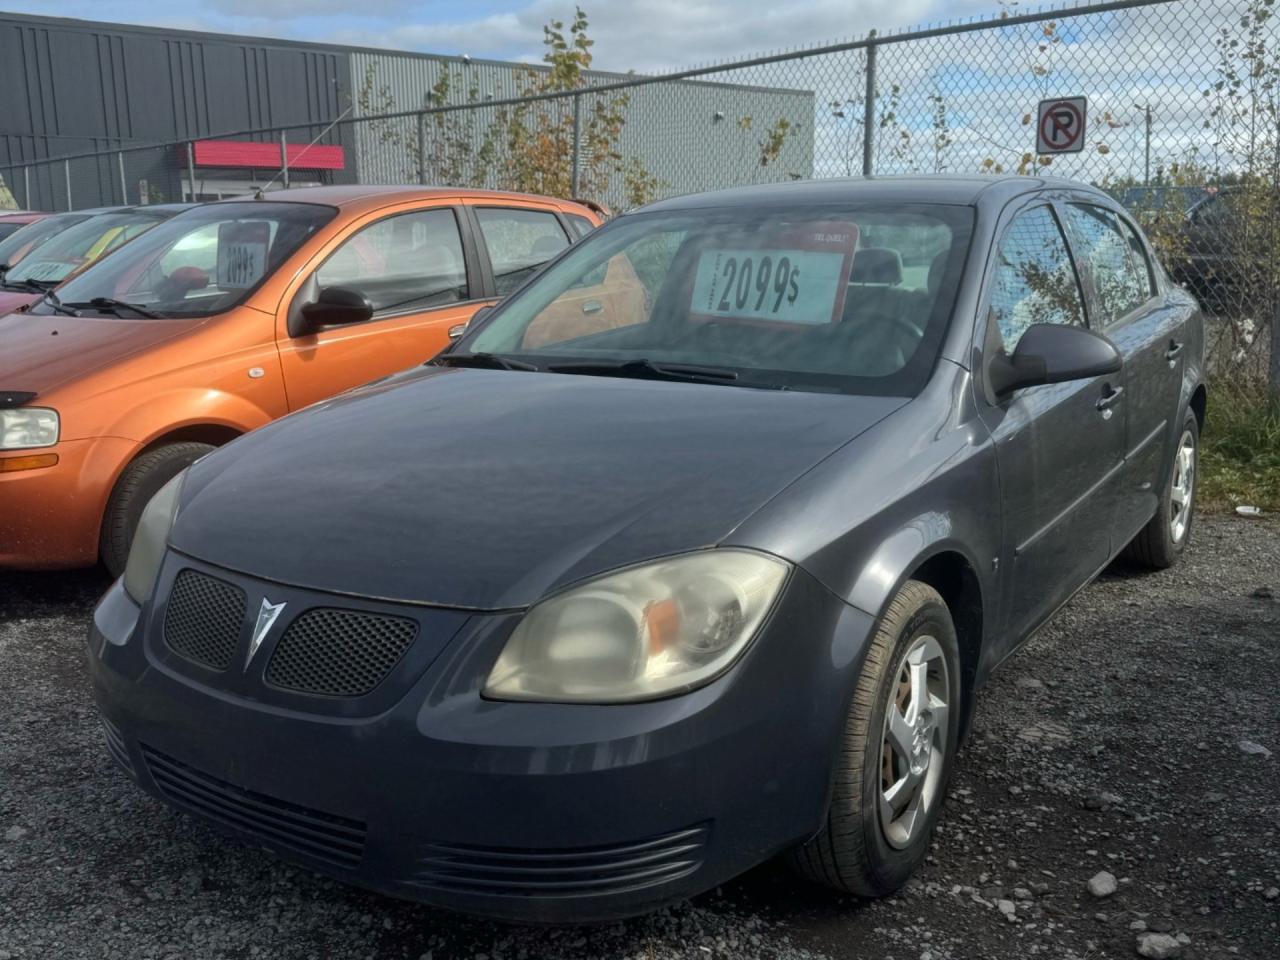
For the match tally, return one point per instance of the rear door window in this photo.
(403, 264)
(1034, 280)
(519, 242)
(580, 225)
(1107, 253)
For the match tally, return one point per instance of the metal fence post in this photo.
(191, 169)
(26, 188)
(869, 112)
(284, 160)
(66, 173)
(422, 148)
(124, 187)
(576, 176)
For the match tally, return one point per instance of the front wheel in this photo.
(896, 754)
(140, 481)
(1161, 542)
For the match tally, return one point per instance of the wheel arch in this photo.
(211, 432)
(952, 574)
(949, 567)
(1199, 404)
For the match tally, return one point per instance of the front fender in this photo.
(180, 407)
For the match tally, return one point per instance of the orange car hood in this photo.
(39, 353)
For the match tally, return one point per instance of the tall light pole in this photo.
(1146, 163)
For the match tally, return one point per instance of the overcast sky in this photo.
(630, 34)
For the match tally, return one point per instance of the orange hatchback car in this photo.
(224, 318)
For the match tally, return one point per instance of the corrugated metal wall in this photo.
(73, 86)
(691, 136)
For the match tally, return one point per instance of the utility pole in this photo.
(1146, 161)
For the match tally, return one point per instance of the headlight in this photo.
(642, 633)
(26, 427)
(147, 549)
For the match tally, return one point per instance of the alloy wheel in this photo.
(1183, 486)
(913, 748)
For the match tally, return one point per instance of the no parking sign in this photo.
(1060, 125)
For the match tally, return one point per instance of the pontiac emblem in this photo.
(267, 615)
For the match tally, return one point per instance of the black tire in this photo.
(851, 852)
(1155, 546)
(141, 481)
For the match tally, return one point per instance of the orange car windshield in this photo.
(201, 262)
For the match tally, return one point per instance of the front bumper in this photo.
(526, 811)
(52, 516)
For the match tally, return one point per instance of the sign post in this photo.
(1060, 125)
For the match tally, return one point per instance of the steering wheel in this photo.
(912, 332)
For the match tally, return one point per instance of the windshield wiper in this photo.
(490, 360)
(643, 368)
(26, 286)
(112, 305)
(51, 298)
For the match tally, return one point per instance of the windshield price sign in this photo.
(796, 276)
(242, 253)
(1060, 125)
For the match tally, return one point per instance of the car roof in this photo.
(969, 190)
(356, 198)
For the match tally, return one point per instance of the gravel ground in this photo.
(1125, 748)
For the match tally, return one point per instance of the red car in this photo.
(71, 249)
(14, 220)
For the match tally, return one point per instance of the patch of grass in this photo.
(1240, 451)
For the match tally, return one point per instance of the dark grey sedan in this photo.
(627, 593)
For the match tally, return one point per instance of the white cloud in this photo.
(655, 35)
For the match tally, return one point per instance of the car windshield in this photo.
(21, 242)
(201, 262)
(79, 245)
(850, 299)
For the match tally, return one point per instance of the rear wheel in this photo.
(898, 747)
(140, 481)
(1165, 536)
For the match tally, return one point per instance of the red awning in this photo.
(266, 156)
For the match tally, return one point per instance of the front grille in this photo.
(584, 871)
(115, 745)
(321, 835)
(203, 619)
(339, 653)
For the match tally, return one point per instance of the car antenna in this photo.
(259, 191)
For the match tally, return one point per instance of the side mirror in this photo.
(336, 306)
(1054, 353)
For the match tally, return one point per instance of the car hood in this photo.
(487, 489)
(40, 352)
(11, 300)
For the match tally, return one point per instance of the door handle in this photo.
(592, 306)
(1110, 397)
(1175, 348)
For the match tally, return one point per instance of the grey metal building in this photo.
(73, 87)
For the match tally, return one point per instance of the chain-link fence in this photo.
(1181, 123)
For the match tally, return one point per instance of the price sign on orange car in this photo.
(786, 277)
(242, 253)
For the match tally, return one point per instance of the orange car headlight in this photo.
(24, 428)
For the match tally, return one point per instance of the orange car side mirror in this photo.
(337, 306)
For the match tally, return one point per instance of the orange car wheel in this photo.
(141, 481)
